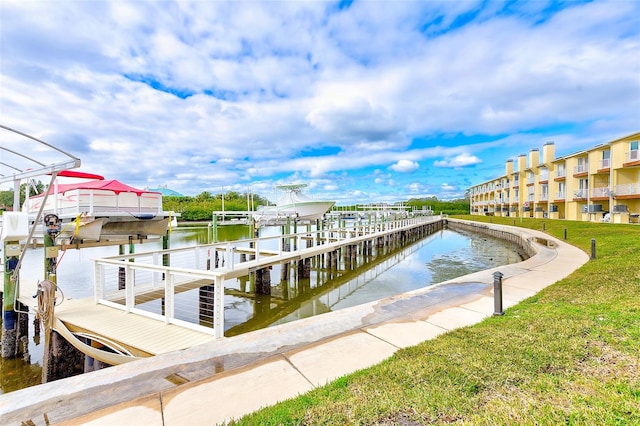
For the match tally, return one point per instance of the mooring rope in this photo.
(46, 302)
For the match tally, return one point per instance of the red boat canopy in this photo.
(107, 185)
(81, 175)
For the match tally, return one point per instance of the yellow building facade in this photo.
(599, 184)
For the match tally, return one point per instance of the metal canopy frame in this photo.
(33, 165)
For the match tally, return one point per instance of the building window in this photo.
(583, 186)
(633, 151)
(561, 191)
(582, 166)
(544, 192)
(606, 159)
(544, 174)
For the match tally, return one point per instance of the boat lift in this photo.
(15, 167)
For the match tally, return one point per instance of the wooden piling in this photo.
(284, 271)
(61, 360)
(304, 268)
(9, 318)
(263, 281)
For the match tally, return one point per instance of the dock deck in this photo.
(143, 336)
(125, 283)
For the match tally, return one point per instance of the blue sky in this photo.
(365, 101)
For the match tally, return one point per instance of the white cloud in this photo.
(448, 188)
(405, 166)
(458, 161)
(416, 188)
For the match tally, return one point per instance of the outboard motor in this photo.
(52, 225)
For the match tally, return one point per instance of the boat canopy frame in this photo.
(34, 166)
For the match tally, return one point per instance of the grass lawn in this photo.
(569, 355)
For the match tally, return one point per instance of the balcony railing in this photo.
(633, 155)
(580, 168)
(580, 193)
(544, 176)
(603, 191)
(561, 173)
(627, 189)
(544, 196)
(605, 163)
(531, 180)
(560, 195)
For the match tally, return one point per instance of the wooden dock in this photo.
(141, 335)
(125, 283)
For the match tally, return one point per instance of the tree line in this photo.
(200, 207)
(452, 207)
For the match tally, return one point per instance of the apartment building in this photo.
(599, 184)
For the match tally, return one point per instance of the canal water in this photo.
(439, 257)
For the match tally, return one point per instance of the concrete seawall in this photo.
(209, 384)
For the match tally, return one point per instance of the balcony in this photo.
(544, 177)
(605, 163)
(561, 173)
(580, 193)
(580, 168)
(560, 195)
(632, 156)
(629, 189)
(544, 197)
(602, 192)
(531, 180)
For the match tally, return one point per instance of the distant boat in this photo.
(294, 203)
(99, 209)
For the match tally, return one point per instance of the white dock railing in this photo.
(168, 285)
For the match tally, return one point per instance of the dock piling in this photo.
(9, 318)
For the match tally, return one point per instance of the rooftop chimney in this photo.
(522, 162)
(509, 167)
(534, 157)
(549, 152)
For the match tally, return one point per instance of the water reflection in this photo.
(382, 273)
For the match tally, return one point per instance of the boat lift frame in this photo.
(36, 168)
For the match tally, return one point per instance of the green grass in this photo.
(568, 355)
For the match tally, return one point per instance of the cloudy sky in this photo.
(365, 101)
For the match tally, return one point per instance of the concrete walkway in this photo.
(214, 383)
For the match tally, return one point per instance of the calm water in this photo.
(439, 257)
